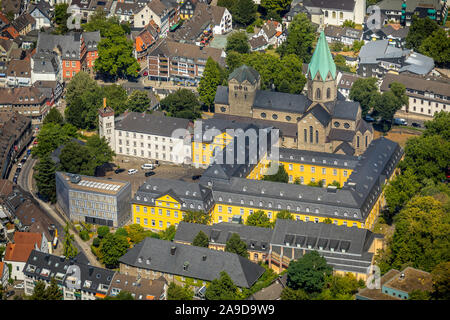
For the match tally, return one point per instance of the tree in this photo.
(84, 235)
(419, 30)
(39, 292)
(440, 125)
(400, 190)
(69, 250)
(115, 55)
(349, 23)
(75, 159)
(197, 217)
(60, 18)
(280, 176)
(341, 287)
(102, 231)
(99, 150)
(419, 295)
(284, 214)
(236, 245)
(176, 292)
(275, 6)
(222, 288)
(341, 63)
(357, 45)
(441, 280)
(437, 46)
(308, 273)
(238, 42)
(244, 12)
(112, 248)
(201, 240)
(182, 104)
(136, 233)
(168, 233)
(53, 292)
(387, 106)
(291, 294)
(96, 242)
(122, 232)
(117, 98)
(51, 136)
(212, 77)
(54, 116)
(364, 91)
(138, 101)
(258, 219)
(45, 178)
(234, 60)
(229, 4)
(421, 235)
(300, 39)
(99, 22)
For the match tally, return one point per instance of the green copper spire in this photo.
(322, 60)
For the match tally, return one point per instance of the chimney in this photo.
(104, 103)
(172, 250)
(204, 258)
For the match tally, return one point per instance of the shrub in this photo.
(96, 242)
(102, 231)
(84, 235)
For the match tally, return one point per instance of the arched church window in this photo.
(337, 124)
(357, 141)
(306, 135)
(236, 87)
(299, 118)
(274, 116)
(311, 134)
(317, 136)
(223, 109)
(317, 93)
(245, 88)
(288, 118)
(263, 115)
(240, 87)
(366, 140)
(328, 93)
(346, 125)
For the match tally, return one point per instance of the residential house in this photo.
(10, 32)
(91, 41)
(335, 12)
(345, 82)
(51, 90)
(272, 32)
(12, 7)
(125, 11)
(6, 46)
(146, 39)
(427, 95)
(15, 134)
(377, 58)
(140, 288)
(28, 101)
(24, 24)
(163, 13)
(4, 274)
(344, 35)
(77, 279)
(187, 9)
(93, 200)
(42, 14)
(17, 253)
(258, 43)
(295, 9)
(182, 264)
(402, 11)
(345, 249)
(256, 238)
(272, 292)
(46, 67)
(146, 136)
(180, 62)
(394, 33)
(396, 285)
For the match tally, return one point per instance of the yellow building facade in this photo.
(203, 152)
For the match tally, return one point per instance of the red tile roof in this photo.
(27, 237)
(18, 252)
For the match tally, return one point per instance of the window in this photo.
(346, 125)
(324, 171)
(290, 166)
(317, 136)
(357, 141)
(345, 173)
(311, 134)
(137, 209)
(317, 93)
(306, 135)
(263, 115)
(230, 210)
(313, 169)
(145, 221)
(160, 224)
(328, 93)
(138, 220)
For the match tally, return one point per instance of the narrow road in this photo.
(25, 180)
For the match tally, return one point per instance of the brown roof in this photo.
(414, 279)
(21, 96)
(6, 187)
(23, 21)
(10, 5)
(2, 264)
(215, 12)
(417, 83)
(19, 68)
(27, 238)
(157, 7)
(6, 43)
(377, 294)
(272, 292)
(144, 289)
(28, 212)
(3, 18)
(39, 227)
(347, 80)
(18, 252)
(257, 42)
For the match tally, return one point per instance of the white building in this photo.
(46, 67)
(335, 12)
(147, 136)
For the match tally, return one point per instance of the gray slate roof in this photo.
(346, 5)
(151, 124)
(243, 73)
(69, 45)
(281, 101)
(91, 40)
(313, 157)
(202, 263)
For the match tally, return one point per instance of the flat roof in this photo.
(413, 279)
(94, 184)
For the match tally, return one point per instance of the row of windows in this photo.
(429, 103)
(311, 135)
(160, 211)
(150, 154)
(313, 170)
(142, 145)
(149, 137)
(153, 223)
(90, 196)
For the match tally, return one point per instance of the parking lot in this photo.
(164, 170)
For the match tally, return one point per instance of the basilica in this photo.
(321, 120)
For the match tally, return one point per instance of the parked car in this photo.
(19, 286)
(10, 293)
(149, 173)
(24, 159)
(369, 118)
(19, 165)
(417, 125)
(132, 171)
(18, 170)
(145, 73)
(148, 166)
(400, 122)
(196, 177)
(15, 179)
(119, 170)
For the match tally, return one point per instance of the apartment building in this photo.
(46, 67)
(91, 40)
(77, 280)
(18, 73)
(93, 200)
(180, 62)
(402, 11)
(163, 12)
(426, 96)
(147, 136)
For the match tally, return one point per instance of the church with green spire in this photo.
(320, 120)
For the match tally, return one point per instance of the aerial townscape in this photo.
(224, 150)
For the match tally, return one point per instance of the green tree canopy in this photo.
(437, 46)
(200, 217)
(40, 292)
(45, 178)
(116, 97)
(51, 136)
(341, 63)
(291, 294)
(441, 280)
(238, 42)
(258, 219)
(168, 233)
(284, 214)
(400, 190)
(280, 176)
(244, 12)
(99, 22)
(183, 103)
(236, 245)
(212, 77)
(75, 159)
(349, 23)
(69, 249)
(138, 101)
(308, 273)
(102, 231)
(364, 91)
(54, 116)
(273, 8)
(419, 30)
(440, 125)
(300, 39)
(113, 247)
(201, 240)
(176, 292)
(60, 18)
(222, 288)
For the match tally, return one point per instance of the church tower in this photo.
(242, 86)
(106, 124)
(321, 74)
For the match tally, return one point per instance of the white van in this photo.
(132, 171)
(148, 166)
